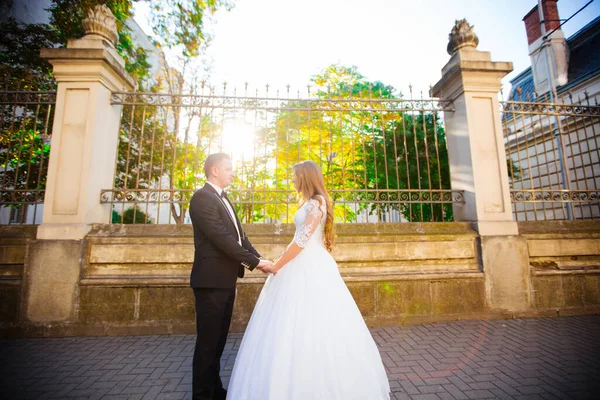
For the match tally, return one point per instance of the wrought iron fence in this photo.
(384, 157)
(26, 126)
(553, 154)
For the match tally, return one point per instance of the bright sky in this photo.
(398, 42)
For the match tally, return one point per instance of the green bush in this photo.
(130, 216)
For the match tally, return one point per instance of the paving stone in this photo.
(545, 358)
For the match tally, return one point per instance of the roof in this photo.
(584, 63)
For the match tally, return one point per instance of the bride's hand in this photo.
(270, 269)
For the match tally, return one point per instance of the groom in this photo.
(222, 250)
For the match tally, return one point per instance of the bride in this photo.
(306, 339)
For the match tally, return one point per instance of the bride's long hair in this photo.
(310, 184)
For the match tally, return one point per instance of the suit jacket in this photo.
(218, 257)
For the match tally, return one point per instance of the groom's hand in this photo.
(264, 266)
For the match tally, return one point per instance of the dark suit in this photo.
(218, 261)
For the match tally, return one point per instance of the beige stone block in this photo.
(481, 112)
(51, 280)
(563, 247)
(406, 250)
(571, 263)
(12, 254)
(166, 303)
(506, 268)
(556, 229)
(408, 266)
(548, 293)
(134, 253)
(84, 140)
(458, 296)
(107, 304)
(497, 228)
(573, 290)
(432, 231)
(591, 285)
(48, 231)
(171, 270)
(245, 300)
(71, 155)
(271, 251)
(364, 296)
(403, 298)
(474, 136)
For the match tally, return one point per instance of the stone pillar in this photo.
(82, 161)
(86, 129)
(478, 165)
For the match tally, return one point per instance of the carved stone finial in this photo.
(462, 35)
(100, 21)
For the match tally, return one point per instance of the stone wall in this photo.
(565, 266)
(14, 241)
(134, 279)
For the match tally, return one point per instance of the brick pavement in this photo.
(546, 358)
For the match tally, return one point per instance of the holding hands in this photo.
(270, 267)
(267, 267)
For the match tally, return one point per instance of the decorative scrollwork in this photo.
(25, 97)
(280, 104)
(389, 196)
(409, 196)
(557, 109)
(146, 196)
(555, 196)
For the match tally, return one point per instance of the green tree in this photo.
(409, 152)
(148, 150)
(23, 162)
(24, 147)
(176, 24)
(132, 215)
(21, 67)
(368, 151)
(323, 130)
(184, 176)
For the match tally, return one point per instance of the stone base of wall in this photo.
(14, 243)
(565, 266)
(134, 279)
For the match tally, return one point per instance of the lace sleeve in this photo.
(314, 214)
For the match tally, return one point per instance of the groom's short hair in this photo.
(212, 161)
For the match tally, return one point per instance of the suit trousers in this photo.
(213, 317)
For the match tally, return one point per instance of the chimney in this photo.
(549, 55)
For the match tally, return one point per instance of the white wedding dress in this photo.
(306, 339)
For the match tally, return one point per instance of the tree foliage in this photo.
(367, 152)
(21, 67)
(132, 215)
(176, 24)
(181, 23)
(24, 150)
(408, 152)
(23, 159)
(150, 149)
